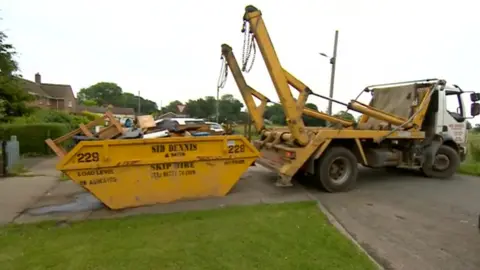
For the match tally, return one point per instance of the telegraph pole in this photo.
(333, 62)
(217, 105)
(138, 109)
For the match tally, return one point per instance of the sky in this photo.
(170, 50)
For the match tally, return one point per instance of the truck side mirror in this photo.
(474, 97)
(475, 109)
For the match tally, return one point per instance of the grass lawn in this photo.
(284, 236)
(470, 166)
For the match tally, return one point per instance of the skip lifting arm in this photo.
(282, 79)
(277, 74)
(257, 112)
(247, 92)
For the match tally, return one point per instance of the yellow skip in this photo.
(129, 173)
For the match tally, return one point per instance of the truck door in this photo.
(454, 116)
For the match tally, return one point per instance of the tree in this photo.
(229, 108)
(148, 106)
(469, 125)
(311, 121)
(109, 93)
(476, 129)
(103, 93)
(275, 114)
(13, 99)
(345, 115)
(130, 100)
(171, 107)
(89, 102)
(202, 108)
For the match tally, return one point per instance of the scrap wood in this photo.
(113, 129)
(145, 122)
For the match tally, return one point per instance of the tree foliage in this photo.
(275, 114)
(311, 121)
(345, 115)
(109, 93)
(229, 108)
(13, 100)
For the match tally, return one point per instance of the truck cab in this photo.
(452, 115)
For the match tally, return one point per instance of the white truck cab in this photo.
(453, 113)
(444, 122)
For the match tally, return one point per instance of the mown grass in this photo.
(282, 236)
(471, 165)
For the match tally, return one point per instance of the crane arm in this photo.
(257, 112)
(282, 79)
(293, 116)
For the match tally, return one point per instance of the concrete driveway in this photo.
(411, 222)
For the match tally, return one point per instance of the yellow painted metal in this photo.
(415, 124)
(422, 107)
(277, 74)
(129, 173)
(360, 150)
(247, 92)
(271, 152)
(373, 112)
(255, 111)
(287, 150)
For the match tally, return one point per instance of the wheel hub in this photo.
(441, 162)
(339, 170)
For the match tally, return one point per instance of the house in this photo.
(61, 97)
(171, 115)
(50, 96)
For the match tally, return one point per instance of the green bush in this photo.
(475, 151)
(51, 116)
(91, 116)
(32, 137)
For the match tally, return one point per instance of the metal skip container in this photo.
(136, 172)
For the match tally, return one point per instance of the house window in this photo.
(70, 104)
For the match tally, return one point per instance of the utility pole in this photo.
(333, 62)
(138, 109)
(217, 105)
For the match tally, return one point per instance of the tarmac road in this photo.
(411, 222)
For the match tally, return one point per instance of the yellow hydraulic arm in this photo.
(291, 108)
(247, 92)
(257, 112)
(282, 79)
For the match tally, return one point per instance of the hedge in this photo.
(32, 137)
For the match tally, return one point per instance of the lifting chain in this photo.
(222, 78)
(248, 46)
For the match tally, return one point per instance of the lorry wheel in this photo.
(337, 169)
(445, 164)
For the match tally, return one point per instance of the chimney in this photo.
(38, 78)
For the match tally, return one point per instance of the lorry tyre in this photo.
(445, 163)
(337, 169)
